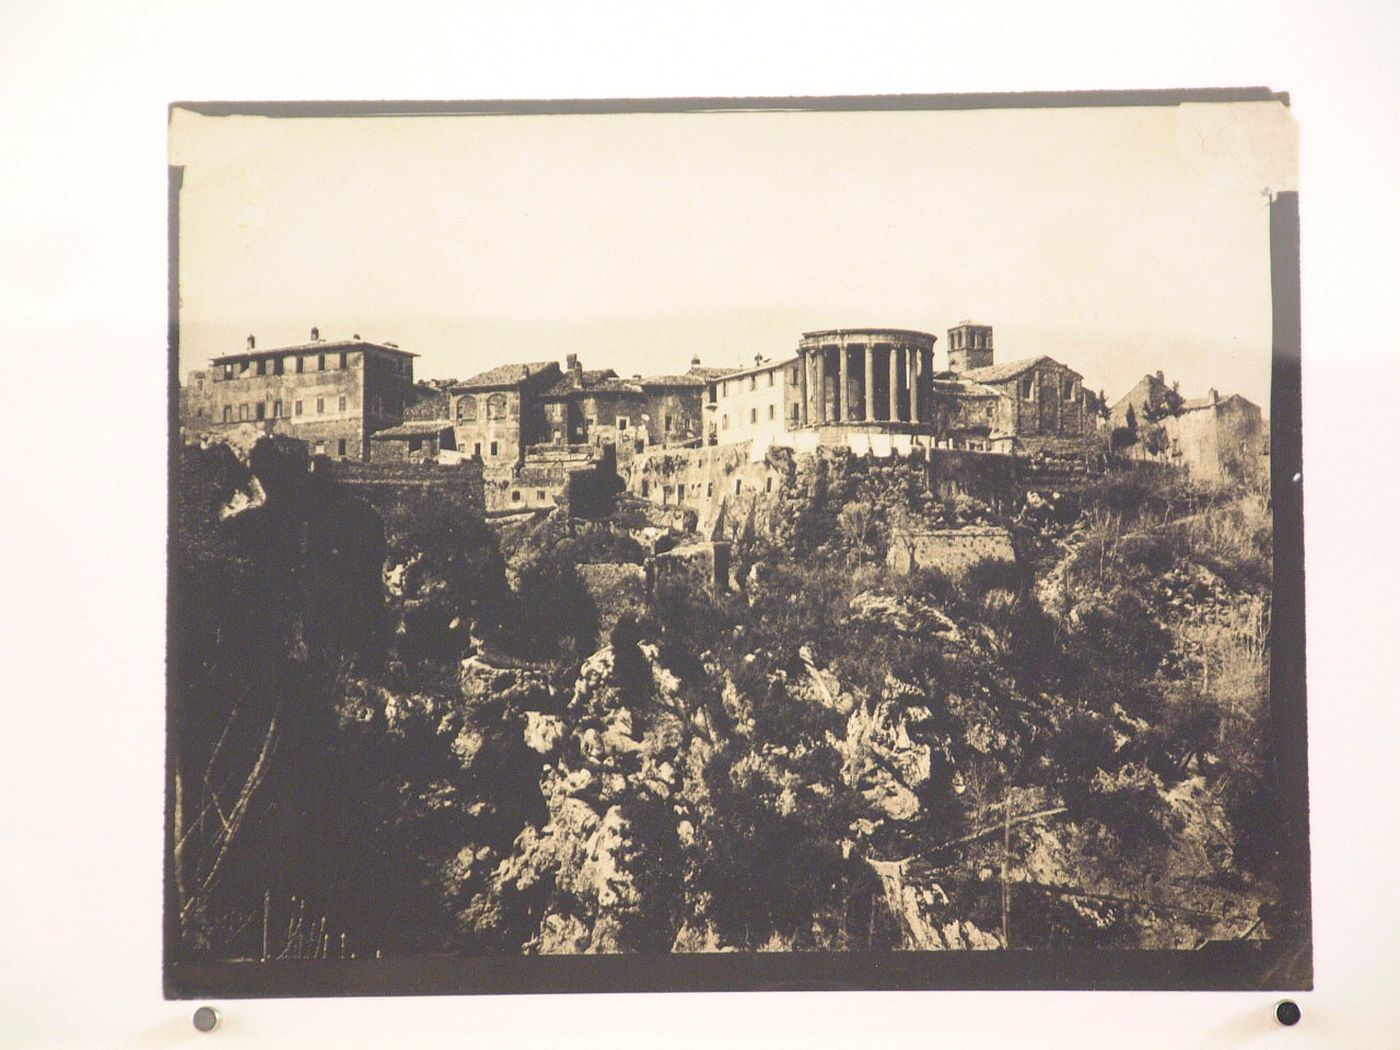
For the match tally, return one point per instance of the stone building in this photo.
(597, 407)
(331, 394)
(759, 404)
(414, 441)
(675, 404)
(1042, 403)
(499, 413)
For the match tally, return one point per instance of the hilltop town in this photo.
(838, 650)
(535, 431)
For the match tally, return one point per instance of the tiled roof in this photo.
(706, 373)
(587, 379)
(508, 375)
(949, 383)
(320, 346)
(1010, 370)
(413, 429)
(686, 380)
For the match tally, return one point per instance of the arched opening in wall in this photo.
(496, 406)
(466, 409)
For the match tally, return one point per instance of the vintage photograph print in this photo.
(735, 544)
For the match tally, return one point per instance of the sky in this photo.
(1118, 240)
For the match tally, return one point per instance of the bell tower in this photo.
(969, 347)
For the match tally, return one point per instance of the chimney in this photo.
(315, 335)
(575, 367)
(356, 336)
(695, 361)
(1214, 396)
(1160, 377)
(757, 360)
(251, 342)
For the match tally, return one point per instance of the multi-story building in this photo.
(759, 404)
(331, 394)
(499, 413)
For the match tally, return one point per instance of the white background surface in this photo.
(83, 96)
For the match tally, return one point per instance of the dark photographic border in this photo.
(1282, 963)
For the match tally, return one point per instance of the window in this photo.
(753, 382)
(466, 409)
(724, 422)
(496, 406)
(753, 415)
(296, 408)
(320, 448)
(795, 414)
(738, 486)
(320, 362)
(277, 366)
(344, 359)
(342, 403)
(301, 364)
(199, 383)
(680, 492)
(668, 422)
(228, 413)
(495, 450)
(796, 376)
(277, 410)
(768, 484)
(709, 489)
(772, 411)
(476, 450)
(262, 366)
(1026, 389)
(770, 378)
(515, 495)
(646, 488)
(228, 371)
(1069, 389)
(622, 422)
(539, 494)
(340, 447)
(724, 388)
(242, 412)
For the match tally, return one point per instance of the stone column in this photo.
(912, 355)
(819, 363)
(803, 364)
(843, 395)
(894, 384)
(870, 382)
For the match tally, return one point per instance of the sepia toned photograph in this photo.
(735, 544)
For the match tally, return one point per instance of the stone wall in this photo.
(695, 566)
(950, 551)
(723, 484)
(377, 482)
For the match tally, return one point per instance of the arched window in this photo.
(496, 406)
(466, 409)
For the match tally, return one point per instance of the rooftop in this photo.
(766, 366)
(508, 375)
(319, 346)
(1010, 370)
(418, 428)
(906, 332)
